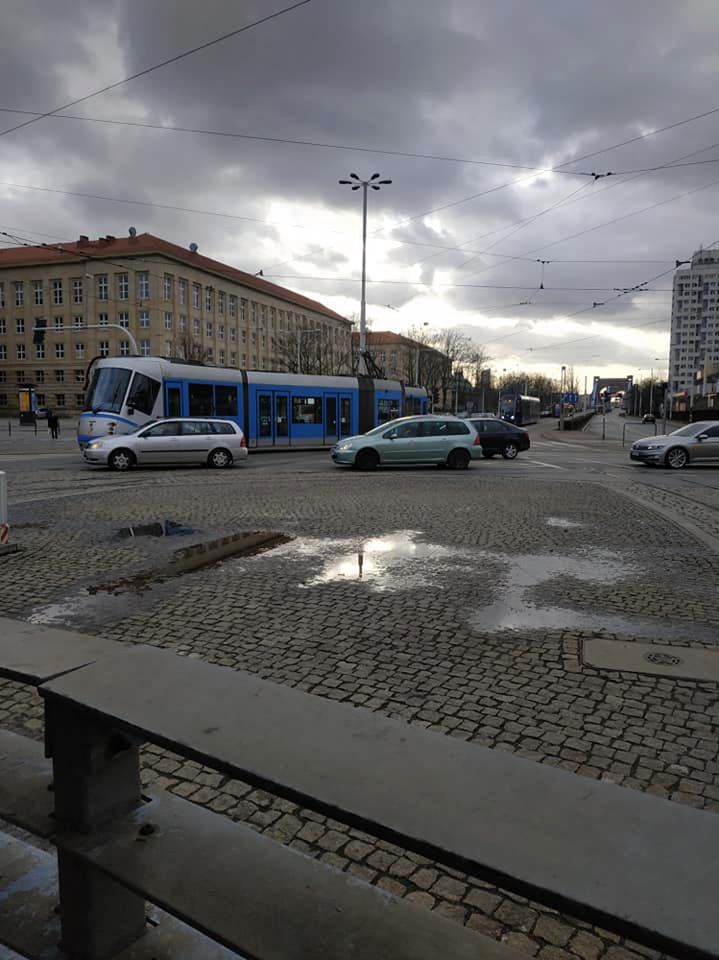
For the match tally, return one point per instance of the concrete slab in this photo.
(25, 778)
(685, 663)
(33, 653)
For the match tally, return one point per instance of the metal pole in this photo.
(362, 366)
(4, 528)
(299, 341)
(651, 392)
(561, 400)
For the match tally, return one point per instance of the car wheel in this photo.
(219, 458)
(458, 460)
(676, 458)
(120, 460)
(488, 454)
(367, 460)
(510, 450)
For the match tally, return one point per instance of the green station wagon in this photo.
(444, 440)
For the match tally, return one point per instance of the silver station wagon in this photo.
(217, 443)
(444, 440)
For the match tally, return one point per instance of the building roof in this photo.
(384, 338)
(144, 243)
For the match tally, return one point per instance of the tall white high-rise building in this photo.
(695, 320)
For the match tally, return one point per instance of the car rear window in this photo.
(456, 429)
(222, 427)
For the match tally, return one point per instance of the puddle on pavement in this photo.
(516, 610)
(396, 561)
(161, 528)
(106, 601)
(563, 523)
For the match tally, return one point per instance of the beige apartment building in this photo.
(172, 300)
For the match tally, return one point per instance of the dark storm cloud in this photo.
(517, 81)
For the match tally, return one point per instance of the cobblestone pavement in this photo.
(422, 636)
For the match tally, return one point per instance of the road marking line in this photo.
(541, 463)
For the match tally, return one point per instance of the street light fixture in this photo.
(355, 182)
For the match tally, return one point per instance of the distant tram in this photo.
(518, 409)
(271, 408)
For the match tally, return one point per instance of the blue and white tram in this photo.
(271, 408)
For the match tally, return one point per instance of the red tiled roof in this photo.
(145, 243)
(382, 338)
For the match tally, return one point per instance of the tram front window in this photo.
(108, 389)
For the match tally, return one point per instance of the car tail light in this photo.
(477, 442)
(242, 441)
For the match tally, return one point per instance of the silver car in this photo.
(443, 440)
(217, 443)
(694, 443)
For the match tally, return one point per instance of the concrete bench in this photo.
(117, 848)
(637, 865)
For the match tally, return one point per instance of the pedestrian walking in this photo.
(53, 422)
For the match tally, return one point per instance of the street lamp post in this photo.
(355, 183)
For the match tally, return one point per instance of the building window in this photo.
(20, 376)
(196, 326)
(39, 351)
(168, 348)
(40, 399)
(233, 334)
(143, 285)
(244, 336)
(167, 287)
(233, 306)
(102, 287)
(123, 286)
(39, 295)
(40, 376)
(210, 355)
(3, 326)
(60, 376)
(104, 348)
(221, 331)
(19, 294)
(208, 298)
(19, 325)
(196, 295)
(20, 351)
(183, 323)
(243, 310)
(79, 351)
(221, 301)
(221, 358)
(56, 291)
(263, 313)
(145, 348)
(168, 321)
(124, 348)
(59, 322)
(80, 400)
(77, 289)
(78, 321)
(59, 351)
(3, 351)
(123, 319)
(2, 294)
(79, 376)
(182, 292)
(103, 320)
(3, 399)
(144, 318)
(233, 359)
(59, 399)
(253, 312)
(208, 328)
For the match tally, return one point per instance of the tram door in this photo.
(331, 418)
(173, 399)
(273, 418)
(345, 423)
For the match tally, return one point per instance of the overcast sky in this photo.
(512, 82)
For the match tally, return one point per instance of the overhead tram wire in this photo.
(157, 66)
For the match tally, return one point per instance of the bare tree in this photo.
(313, 352)
(191, 349)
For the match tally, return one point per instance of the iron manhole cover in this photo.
(664, 659)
